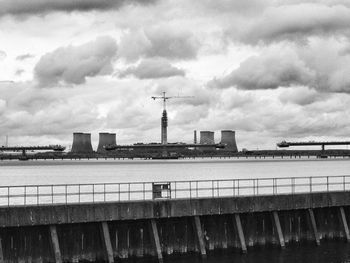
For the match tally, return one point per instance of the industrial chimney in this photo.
(229, 139)
(164, 126)
(195, 137)
(81, 143)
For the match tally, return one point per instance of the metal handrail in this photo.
(20, 195)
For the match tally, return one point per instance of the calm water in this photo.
(65, 172)
(55, 172)
(328, 252)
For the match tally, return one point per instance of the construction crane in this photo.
(164, 119)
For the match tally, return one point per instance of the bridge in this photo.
(113, 221)
(285, 144)
(23, 149)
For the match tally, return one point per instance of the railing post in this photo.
(143, 191)
(8, 196)
(343, 183)
(327, 184)
(218, 188)
(119, 192)
(51, 194)
(233, 187)
(310, 183)
(79, 193)
(129, 191)
(25, 195)
(104, 192)
(37, 195)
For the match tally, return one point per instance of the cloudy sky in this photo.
(270, 70)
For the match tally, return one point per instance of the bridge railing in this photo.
(124, 192)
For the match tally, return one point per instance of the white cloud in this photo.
(152, 69)
(72, 64)
(159, 41)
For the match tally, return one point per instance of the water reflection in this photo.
(328, 252)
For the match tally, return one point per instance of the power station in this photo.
(82, 142)
(105, 138)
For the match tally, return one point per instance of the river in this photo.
(112, 171)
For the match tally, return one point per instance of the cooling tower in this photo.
(113, 138)
(87, 143)
(206, 137)
(105, 138)
(228, 138)
(81, 143)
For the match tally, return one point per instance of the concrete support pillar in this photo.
(200, 236)
(107, 242)
(314, 227)
(240, 233)
(278, 229)
(345, 223)
(2, 260)
(55, 244)
(156, 240)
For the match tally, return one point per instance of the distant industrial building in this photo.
(206, 137)
(105, 138)
(228, 138)
(81, 143)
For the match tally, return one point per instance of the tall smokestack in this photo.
(228, 137)
(195, 137)
(81, 143)
(164, 125)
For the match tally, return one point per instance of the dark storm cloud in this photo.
(153, 69)
(295, 22)
(163, 41)
(37, 7)
(72, 64)
(24, 57)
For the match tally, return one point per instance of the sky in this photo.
(271, 70)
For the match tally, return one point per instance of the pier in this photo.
(110, 222)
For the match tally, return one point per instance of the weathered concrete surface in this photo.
(98, 212)
(85, 242)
